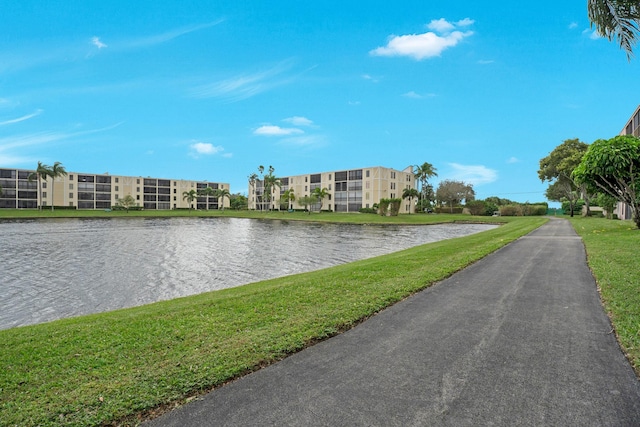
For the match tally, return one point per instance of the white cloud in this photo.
(511, 160)
(473, 174)
(169, 35)
(205, 148)
(485, 61)
(21, 119)
(243, 86)
(415, 95)
(298, 121)
(97, 43)
(271, 130)
(304, 141)
(354, 103)
(592, 34)
(573, 25)
(426, 45)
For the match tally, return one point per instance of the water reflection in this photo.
(60, 268)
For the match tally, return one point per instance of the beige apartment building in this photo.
(101, 191)
(632, 127)
(348, 190)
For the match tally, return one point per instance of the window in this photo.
(138, 188)
(329, 177)
(116, 197)
(117, 187)
(367, 174)
(137, 197)
(174, 191)
(71, 176)
(116, 180)
(138, 181)
(44, 194)
(71, 195)
(44, 185)
(70, 186)
(393, 175)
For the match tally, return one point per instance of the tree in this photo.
(190, 196)
(320, 194)
(127, 202)
(270, 183)
(207, 192)
(453, 192)
(616, 19)
(221, 193)
(41, 173)
(288, 197)
(238, 201)
(410, 193)
(253, 181)
(476, 207)
(607, 202)
(422, 174)
(557, 168)
(56, 171)
(306, 201)
(613, 167)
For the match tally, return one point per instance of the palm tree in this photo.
(289, 197)
(42, 172)
(270, 182)
(221, 193)
(410, 193)
(422, 173)
(190, 196)
(207, 192)
(320, 194)
(616, 19)
(56, 170)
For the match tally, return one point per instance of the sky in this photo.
(210, 90)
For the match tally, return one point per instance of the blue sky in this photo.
(204, 90)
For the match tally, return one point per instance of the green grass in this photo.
(119, 367)
(612, 253)
(353, 218)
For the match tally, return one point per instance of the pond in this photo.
(53, 269)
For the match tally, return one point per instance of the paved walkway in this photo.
(519, 338)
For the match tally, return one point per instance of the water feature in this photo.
(52, 269)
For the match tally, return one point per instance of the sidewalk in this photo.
(519, 338)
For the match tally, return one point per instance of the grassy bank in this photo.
(353, 218)
(612, 252)
(118, 367)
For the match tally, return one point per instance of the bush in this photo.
(456, 210)
(477, 207)
(368, 210)
(511, 210)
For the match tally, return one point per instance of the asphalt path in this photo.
(519, 338)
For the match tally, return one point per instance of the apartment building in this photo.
(348, 190)
(101, 191)
(632, 127)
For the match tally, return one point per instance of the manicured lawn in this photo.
(612, 253)
(353, 218)
(119, 367)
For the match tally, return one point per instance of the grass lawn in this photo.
(612, 253)
(352, 218)
(119, 367)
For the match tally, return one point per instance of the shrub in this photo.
(511, 210)
(368, 210)
(477, 207)
(456, 210)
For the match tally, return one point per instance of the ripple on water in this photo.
(69, 267)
